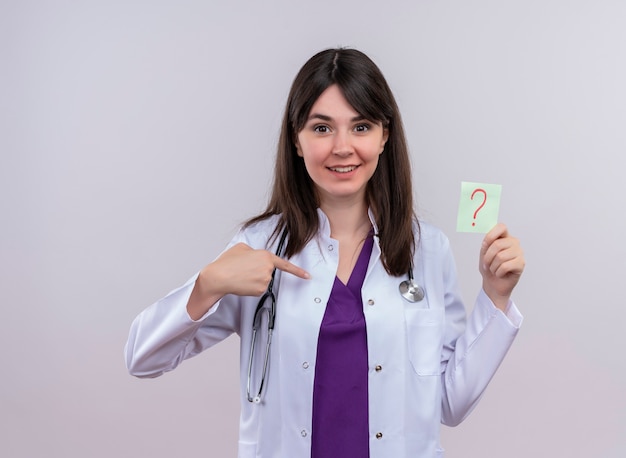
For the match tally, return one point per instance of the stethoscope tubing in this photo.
(256, 324)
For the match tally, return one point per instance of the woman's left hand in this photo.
(501, 264)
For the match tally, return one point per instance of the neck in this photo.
(347, 219)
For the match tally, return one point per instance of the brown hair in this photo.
(389, 192)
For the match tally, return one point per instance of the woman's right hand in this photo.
(240, 270)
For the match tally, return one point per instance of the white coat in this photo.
(426, 364)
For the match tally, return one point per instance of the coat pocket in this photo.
(247, 450)
(424, 329)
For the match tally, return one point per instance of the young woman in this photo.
(370, 350)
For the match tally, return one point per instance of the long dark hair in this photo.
(389, 192)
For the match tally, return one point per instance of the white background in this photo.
(136, 135)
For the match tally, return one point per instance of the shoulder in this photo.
(433, 251)
(430, 237)
(258, 235)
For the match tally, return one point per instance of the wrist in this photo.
(501, 301)
(203, 296)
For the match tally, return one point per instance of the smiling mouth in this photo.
(343, 169)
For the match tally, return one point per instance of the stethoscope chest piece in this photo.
(410, 290)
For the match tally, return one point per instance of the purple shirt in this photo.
(340, 426)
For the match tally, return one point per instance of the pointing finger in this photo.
(286, 266)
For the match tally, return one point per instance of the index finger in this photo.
(286, 266)
(497, 232)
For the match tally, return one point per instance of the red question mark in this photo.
(481, 205)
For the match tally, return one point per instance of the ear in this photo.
(384, 139)
(298, 150)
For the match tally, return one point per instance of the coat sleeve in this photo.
(472, 350)
(163, 335)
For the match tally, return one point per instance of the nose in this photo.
(342, 146)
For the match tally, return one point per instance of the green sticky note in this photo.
(478, 208)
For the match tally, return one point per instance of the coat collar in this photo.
(324, 234)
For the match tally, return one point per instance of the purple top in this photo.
(340, 425)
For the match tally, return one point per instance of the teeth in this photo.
(343, 169)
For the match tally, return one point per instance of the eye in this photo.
(362, 127)
(321, 129)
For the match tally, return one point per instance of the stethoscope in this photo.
(256, 324)
(409, 290)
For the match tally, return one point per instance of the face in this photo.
(340, 148)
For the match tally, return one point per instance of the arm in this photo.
(164, 334)
(474, 352)
(204, 311)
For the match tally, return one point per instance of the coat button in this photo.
(379, 435)
(378, 368)
(370, 302)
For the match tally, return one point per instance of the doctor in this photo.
(355, 367)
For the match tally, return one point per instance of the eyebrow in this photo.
(328, 118)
